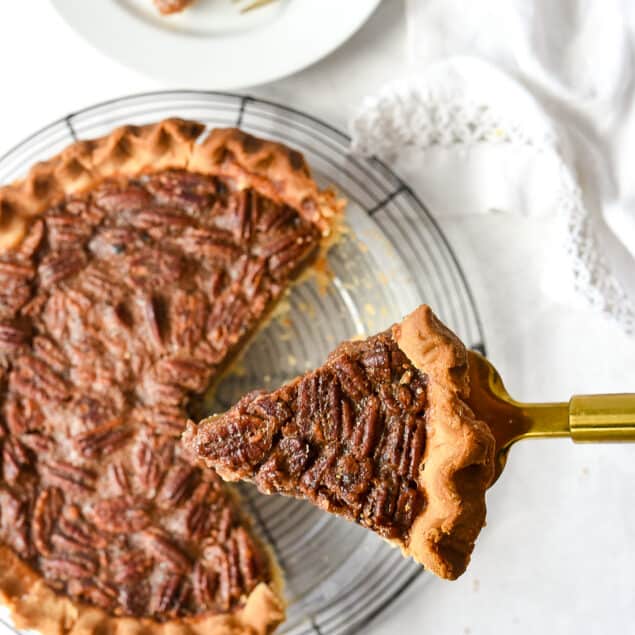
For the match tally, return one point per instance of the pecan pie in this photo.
(132, 268)
(166, 7)
(379, 434)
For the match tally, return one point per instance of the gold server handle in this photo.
(602, 418)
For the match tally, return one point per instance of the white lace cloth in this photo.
(523, 106)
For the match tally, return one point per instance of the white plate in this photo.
(212, 45)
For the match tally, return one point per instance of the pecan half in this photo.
(165, 551)
(48, 507)
(12, 337)
(120, 515)
(69, 477)
(177, 485)
(104, 438)
(69, 568)
(170, 595)
(60, 265)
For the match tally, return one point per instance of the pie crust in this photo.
(436, 520)
(276, 171)
(34, 605)
(458, 462)
(266, 167)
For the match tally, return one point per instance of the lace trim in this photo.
(409, 114)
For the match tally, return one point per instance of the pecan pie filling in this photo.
(348, 436)
(119, 309)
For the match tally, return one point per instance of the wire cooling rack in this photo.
(338, 576)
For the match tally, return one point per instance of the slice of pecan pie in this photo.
(379, 434)
(132, 268)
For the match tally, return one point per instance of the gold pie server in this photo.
(584, 418)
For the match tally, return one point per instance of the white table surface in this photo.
(558, 555)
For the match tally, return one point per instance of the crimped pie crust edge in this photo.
(276, 171)
(34, 605)
(458, 462)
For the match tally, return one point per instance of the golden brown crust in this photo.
(279, 172)
(271, 168)
(458, 462)
(34, 605)
(131, 150)
(128, 150)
